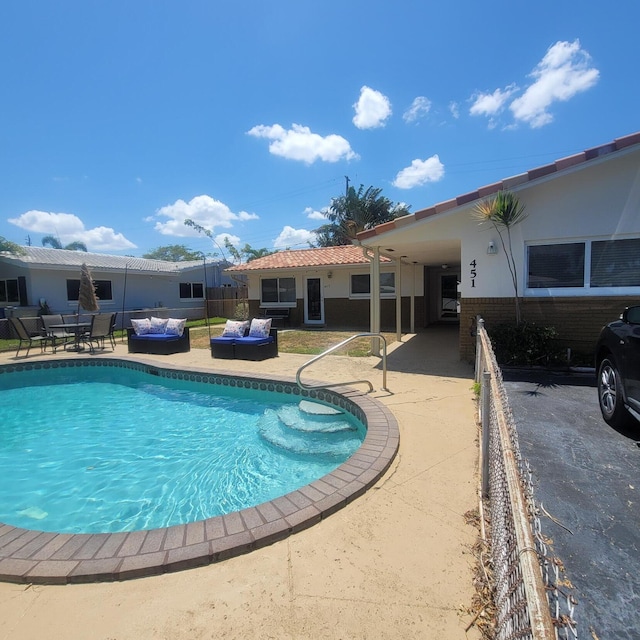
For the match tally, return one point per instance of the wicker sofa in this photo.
(246, 347)
(158, 343)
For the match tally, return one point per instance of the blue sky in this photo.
(120, 119)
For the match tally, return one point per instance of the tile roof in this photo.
(507, 183)
(304, 258)
(42, 257)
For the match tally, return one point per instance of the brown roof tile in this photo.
(304, 258)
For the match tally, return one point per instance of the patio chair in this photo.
(57, 334)
(25, 336)
(111, 335)
(101, 328)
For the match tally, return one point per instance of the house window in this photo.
(277, 290)
(589, 264)
(191, 290)
(556, 265)
(615, 263)
(103, 290)
(361, 285)
(9, 291)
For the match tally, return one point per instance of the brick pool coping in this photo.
(36, 557)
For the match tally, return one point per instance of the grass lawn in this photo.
(306, 341)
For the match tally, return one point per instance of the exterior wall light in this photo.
(492, 249)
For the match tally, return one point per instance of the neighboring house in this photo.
(122, 283)
(577, 258)
(320, 287)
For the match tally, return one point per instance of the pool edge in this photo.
(34, 557)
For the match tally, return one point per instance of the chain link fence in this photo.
(530, 596)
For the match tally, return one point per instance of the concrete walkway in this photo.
(395, 563)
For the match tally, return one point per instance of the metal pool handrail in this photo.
(334, 348)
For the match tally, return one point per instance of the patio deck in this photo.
(394, 563)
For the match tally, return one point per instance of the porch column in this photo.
(375, 300)
(413, 299)
(399, 300)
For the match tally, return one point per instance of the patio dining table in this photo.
(77, 328)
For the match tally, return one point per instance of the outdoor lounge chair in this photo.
(158, 343)
(25, 336)
(57, 334)
(246, 347)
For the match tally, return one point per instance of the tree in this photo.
(246, 254)
(504, 211)
(10, 247)
(253, 254)
(354, 212)
(173, 253)
(55, 243)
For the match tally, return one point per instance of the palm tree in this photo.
(77, 245)
(357, 211)
(55, 243)
(504, 211)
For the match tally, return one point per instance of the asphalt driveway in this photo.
(587, 477)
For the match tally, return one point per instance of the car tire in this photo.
(610, 395)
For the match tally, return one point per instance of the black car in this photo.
(618, 367)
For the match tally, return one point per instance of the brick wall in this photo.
(353, 315)
(577, 320)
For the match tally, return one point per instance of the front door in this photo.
(449, 302)
(313, 302)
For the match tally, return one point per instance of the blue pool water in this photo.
(103, 450)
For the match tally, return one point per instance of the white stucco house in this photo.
(123, 284)
(577, 259)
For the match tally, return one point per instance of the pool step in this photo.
(296, 432)
(317, 409)
(303, 419)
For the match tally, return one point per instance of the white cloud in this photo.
(203, 210)
(420, 172)
(290, 237)
(491, 104)
(299, 143)
(372, 109)
(454, 109)
(69, 228)
(419, 108)
(563, 72)
(313, 214)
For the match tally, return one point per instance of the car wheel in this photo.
(610, 394)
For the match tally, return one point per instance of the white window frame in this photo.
(98, 284)
(278, 304)
(6, 288)
(586, 289)
(367, 296)
(190, 284)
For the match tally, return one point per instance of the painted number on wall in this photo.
(473, 273)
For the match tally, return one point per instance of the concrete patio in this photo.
(395, 563)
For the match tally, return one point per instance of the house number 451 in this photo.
(473, 273)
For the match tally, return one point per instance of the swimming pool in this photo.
(77, 459)
(32, 555)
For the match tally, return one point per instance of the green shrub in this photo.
(241, 311)
(525, 344)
